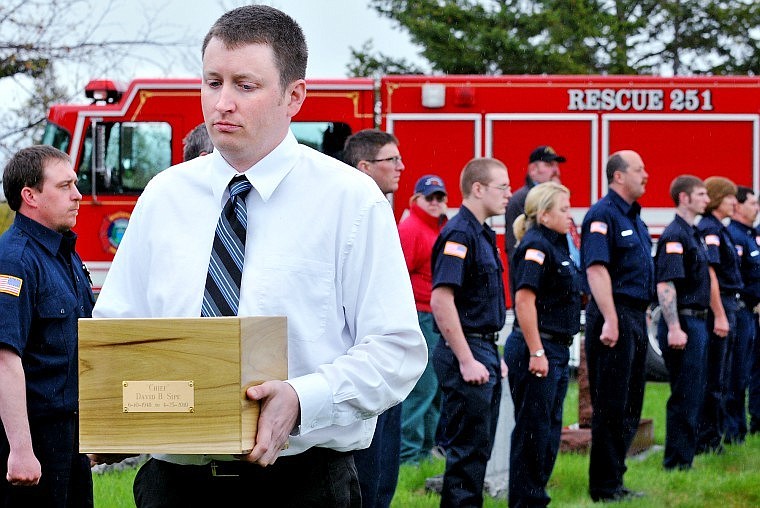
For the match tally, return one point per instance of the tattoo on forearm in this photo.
(666, 294)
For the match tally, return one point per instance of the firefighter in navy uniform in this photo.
(44, 290)
(616, 254)
(683, 290)
(725, 284)
(744, 236)
(469, 307)
(548, 311)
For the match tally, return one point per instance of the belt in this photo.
(629, 301)
(562, 340)
(700, 314)
(488, 337)
(234, 468)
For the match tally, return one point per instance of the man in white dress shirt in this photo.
(321, 248)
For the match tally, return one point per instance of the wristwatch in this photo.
(537, 354)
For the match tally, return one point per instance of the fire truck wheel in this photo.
(655, 365)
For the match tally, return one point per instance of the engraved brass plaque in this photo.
(158, 396)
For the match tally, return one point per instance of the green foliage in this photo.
(367, 62)
(581, 36)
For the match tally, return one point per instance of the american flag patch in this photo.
(535, 255)
(673, 248)
(455, 249)
(712, 240)
(740, 250)
(10, 284)
(598, 227)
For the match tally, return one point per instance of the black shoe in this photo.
(716, 449)
(622, 494)
(631, 494)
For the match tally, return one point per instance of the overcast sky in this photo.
(330, 26)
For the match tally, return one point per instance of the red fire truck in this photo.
(703, 126)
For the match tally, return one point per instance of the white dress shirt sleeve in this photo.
(389, 352)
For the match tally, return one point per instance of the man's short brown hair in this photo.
(477, 170)
(27, 169)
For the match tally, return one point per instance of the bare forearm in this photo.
(716, 305)
(13, 401)
(525, 308)
(447, 319)
(601, 289)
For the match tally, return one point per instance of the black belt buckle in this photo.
(488, 337)
(699, 314)
(561, 340)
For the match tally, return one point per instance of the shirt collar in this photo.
(631, 210)
(741, 226)
(49, 239)
(552, 236)
(265, 175)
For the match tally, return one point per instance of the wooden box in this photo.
(175, 385)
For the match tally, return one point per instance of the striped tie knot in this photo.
(239, 186)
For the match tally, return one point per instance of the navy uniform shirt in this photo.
(614, 235)
(542, 263)
(747, 244)
(682, 259)
(465, 258)
(721, 253)
(44, 290)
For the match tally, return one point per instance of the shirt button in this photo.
(63, 311)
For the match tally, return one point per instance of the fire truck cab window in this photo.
(327, 137)
(56, 136)
(126, 156)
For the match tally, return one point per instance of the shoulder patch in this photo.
(10, 285)
(598, 227)
(535, 255)
(673, 248)
(712, 240)
(455, 249)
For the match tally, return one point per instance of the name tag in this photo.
(754, 253)
(565, 263)
(627, 232)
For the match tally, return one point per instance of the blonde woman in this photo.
(547, 315)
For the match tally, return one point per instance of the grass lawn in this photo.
(731, 480)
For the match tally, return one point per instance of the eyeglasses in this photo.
(435, 197)
(503, 188)
(396, 160)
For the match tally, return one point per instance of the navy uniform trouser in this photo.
(471, 412)
(740, 359)
(538, 419)
(66, 480)
(377, 466)
(753, 399)
(687, 375)
(712, 420)
(617, 381)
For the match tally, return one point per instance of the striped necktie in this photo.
(225, 269)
